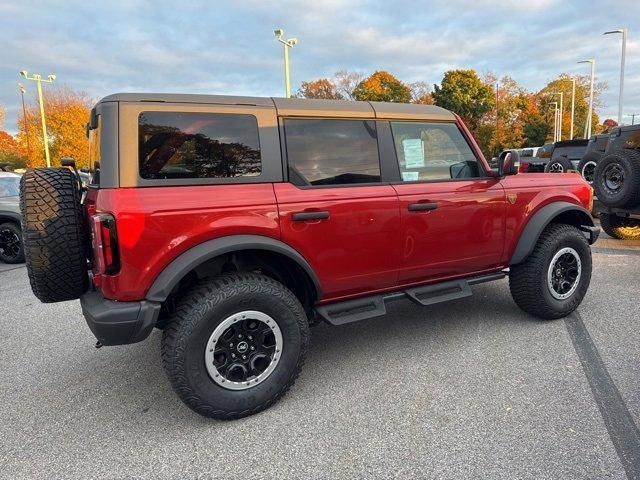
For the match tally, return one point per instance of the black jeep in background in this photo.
(566, 155)
(595, 151)
(617, 184)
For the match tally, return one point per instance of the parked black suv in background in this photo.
(595, 151)
(566, 156)
(617, 184)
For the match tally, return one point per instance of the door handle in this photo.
(422, 207)
(305, 216)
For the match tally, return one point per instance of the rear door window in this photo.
(198, 145)
(331, 152)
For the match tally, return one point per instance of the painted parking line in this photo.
(623, 431)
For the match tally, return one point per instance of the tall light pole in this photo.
(555, 121)
(633, 117)
(24, 117)
(279, 33)
(36, 77)
(623, 31)
(587, 127)
(573, 105)
(561, 111)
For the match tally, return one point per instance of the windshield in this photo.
(9, 186)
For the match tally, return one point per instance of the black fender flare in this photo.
(187, 261)
(580, 217)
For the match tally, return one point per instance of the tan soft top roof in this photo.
(299, 106)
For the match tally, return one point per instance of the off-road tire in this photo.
(185, 339)
(563, 162)
(54, 226)
(628, 194)
(528, 280)
(590, 160)
(12, 229)
(619, 227)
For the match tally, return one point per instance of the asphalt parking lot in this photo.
(469, 389)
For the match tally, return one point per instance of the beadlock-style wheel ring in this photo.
(243, 350)
(563, 275)
(588, 171)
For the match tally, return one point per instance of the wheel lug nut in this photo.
(239, 335)
(253, 348)
(250, 337)
(233, 355)
(231, 344)
(244, 357)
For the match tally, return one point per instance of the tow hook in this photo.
(98, 345)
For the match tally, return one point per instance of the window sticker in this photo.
(410, 176)
(413, 153)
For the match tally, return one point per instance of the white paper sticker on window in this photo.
(413, 153)
(410, 176)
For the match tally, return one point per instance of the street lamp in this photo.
(36, 77)
(555, 123)
(573, 105)
(623, 31)
(24, 116)
(561, 111)
(587, 127)
(279, 33)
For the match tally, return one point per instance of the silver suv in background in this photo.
(11, 249)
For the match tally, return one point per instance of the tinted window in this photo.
(9, 186)
(332, 152)
(433, 151)
(198, 145)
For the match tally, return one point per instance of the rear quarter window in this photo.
(175, 145)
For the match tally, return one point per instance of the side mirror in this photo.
(507, 163)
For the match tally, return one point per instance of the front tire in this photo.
(554, 279)
(198, 345)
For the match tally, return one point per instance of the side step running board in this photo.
(374, 306)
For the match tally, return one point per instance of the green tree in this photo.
(320, 88)
(563, 84)
(464, 93)
(381, 86)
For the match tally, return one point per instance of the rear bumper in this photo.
(118, 323)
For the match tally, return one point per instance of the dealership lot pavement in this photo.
(473, 388)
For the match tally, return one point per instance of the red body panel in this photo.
(532, 192)
(157, 224)
(355, 250)
(465, 234)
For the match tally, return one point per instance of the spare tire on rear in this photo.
(54, 233)
(617, 179)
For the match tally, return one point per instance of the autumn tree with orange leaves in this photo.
(67, 113)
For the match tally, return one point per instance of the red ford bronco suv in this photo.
(233, 223)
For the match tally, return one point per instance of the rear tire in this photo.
(619, 227)
(205, 320)
(553, 280)
(558, 165)
(617, 179)
(11, 248)
(54, 227)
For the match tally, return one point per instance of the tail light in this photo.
(106, 257)
(523, 167)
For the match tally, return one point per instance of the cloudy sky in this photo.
(228, 47)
